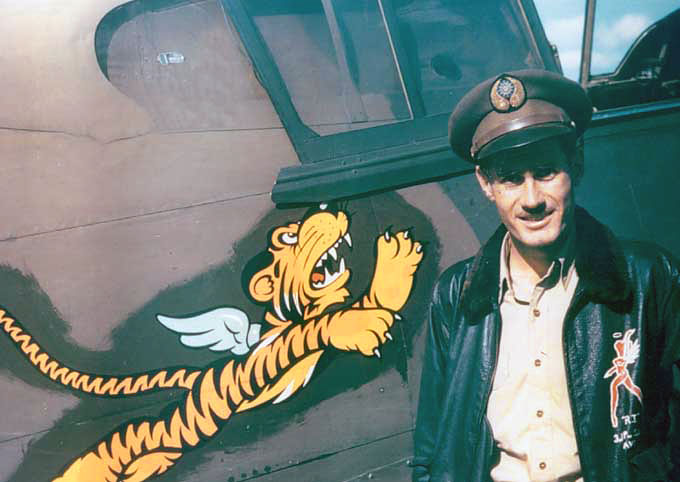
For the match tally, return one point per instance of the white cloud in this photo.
(604, 62)
(566, 32)
(620, 33)
(571, 62)
(615, 31)
(611, 40)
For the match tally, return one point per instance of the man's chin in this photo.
(539, 240)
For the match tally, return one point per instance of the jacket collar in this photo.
(600, 265)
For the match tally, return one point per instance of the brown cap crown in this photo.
(515, 109)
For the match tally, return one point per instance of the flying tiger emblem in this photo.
(305, 274)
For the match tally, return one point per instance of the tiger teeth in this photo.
(348, 238)
(333, 253)
(329, 278)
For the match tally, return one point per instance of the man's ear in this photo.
(577, 165)
(485, 184)
(261, 286)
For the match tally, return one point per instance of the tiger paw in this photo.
(362, 330)
(397, 261)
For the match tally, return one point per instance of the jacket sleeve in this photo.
(661, 461)
(432, 386)
(671, 358)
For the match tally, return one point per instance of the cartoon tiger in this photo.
(304, 278)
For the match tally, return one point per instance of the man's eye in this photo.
(511, 178)
(545, 173)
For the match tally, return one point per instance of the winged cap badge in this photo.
(507, 93)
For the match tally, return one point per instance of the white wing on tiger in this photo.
(221, 329)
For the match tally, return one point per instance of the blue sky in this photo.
(617, 25)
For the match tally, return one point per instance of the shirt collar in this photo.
(600, 263)
(564, 262)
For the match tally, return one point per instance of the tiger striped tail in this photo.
(88, 383)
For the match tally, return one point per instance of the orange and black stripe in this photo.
(146, 448)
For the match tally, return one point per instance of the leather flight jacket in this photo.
(628, 294)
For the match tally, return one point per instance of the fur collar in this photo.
(600, 265)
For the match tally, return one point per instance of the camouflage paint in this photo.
(387, 256)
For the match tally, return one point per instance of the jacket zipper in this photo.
(568, 319)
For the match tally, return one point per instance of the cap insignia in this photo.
(507, 93)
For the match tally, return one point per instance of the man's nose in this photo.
(532, 199)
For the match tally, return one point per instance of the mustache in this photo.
(535, 214)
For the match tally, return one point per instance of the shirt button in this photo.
(539, 413)
(542, 465)
(537, 362)
(537, 312)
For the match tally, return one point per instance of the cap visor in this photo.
(523, 137)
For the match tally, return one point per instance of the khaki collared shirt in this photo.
(529, 409)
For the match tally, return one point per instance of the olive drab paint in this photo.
(183, 300)
(302, 276)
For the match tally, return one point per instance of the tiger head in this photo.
(308, 271)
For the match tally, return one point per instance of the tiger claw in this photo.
(376, 352)
(387, 235)
(388, 336)
(397, 316)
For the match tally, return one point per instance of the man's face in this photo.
(532, 189)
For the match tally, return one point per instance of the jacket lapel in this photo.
(600, 262)
(480, 289)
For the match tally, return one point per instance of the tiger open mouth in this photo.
(331, 265)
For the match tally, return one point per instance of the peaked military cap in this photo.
(515, 109)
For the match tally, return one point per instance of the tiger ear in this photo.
(262, 285)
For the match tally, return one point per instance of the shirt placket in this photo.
(541, 459)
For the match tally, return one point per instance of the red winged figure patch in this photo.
(627, 351)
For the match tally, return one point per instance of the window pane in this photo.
(454, 44)
(563, 24)
(336, 61)
(618, 25)
(337, 57)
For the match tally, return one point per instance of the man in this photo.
(551, 353)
